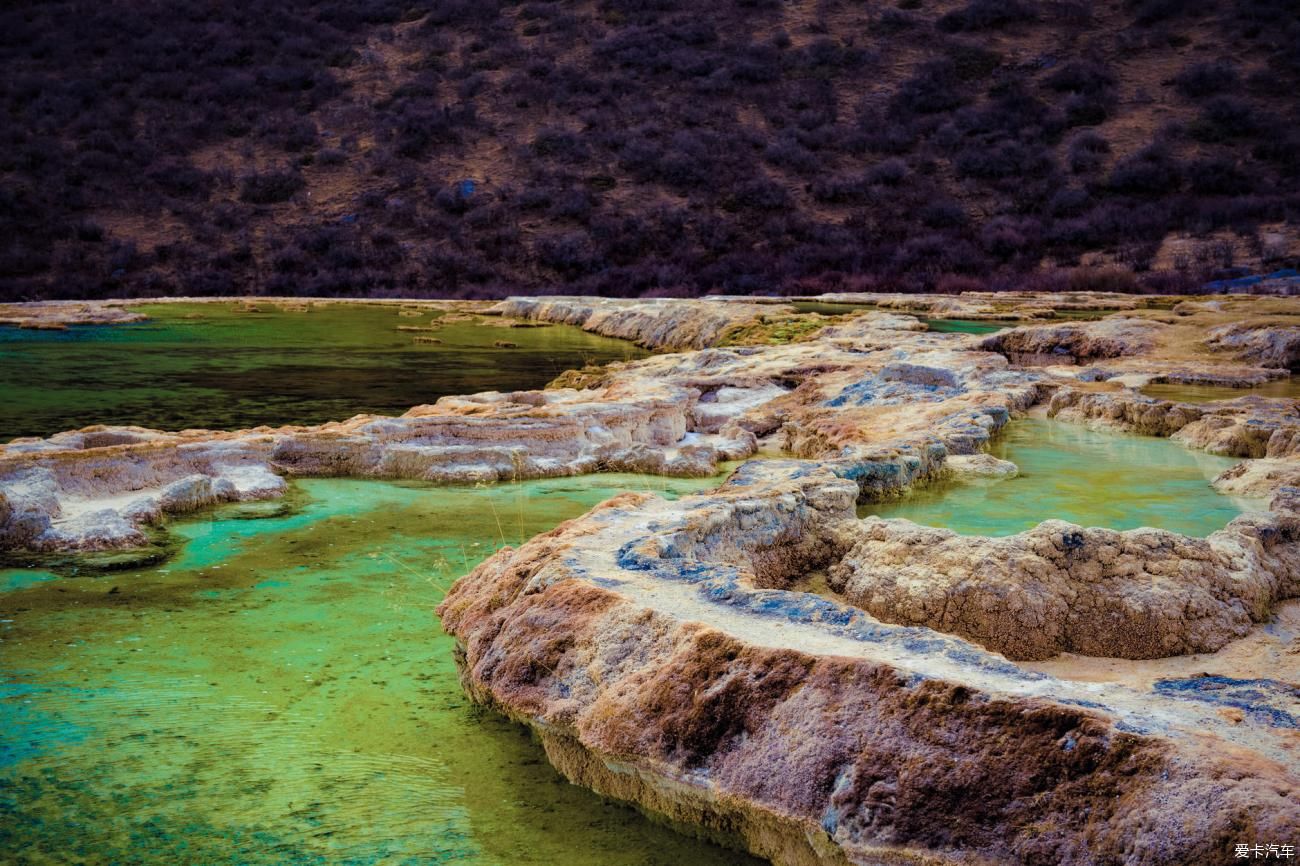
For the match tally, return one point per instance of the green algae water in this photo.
(1068, 472)
(989, 326)
(966, 326)
(211, 365)
(280, 693)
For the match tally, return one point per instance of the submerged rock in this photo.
(981, 466)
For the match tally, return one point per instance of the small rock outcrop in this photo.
(1076, 342)
(994, 306)
(1264, 344)
(981, 466)
(100, 496)
(57, 315)
(1144, 593)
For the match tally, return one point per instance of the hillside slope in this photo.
(478, 147)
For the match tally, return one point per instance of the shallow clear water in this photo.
(209, 365)
(1068, 472)
(280, 692)
(1287, 388)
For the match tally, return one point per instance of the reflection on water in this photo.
(207, 365)
(280, 692)
(1288, 388)
(1068, 472)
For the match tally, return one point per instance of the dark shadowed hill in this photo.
(474, 147)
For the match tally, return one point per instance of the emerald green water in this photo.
(280, 693)
(1068, 472)
(1288, 388)
(966, 326)
(209, 365)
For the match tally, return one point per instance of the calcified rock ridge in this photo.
(57, 315)
(665, 653)
(653, 323)
(995, 306)
(96, 488)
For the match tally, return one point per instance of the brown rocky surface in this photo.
(1268, 344)
(676, 414)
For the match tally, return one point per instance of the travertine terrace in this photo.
(918, 710)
